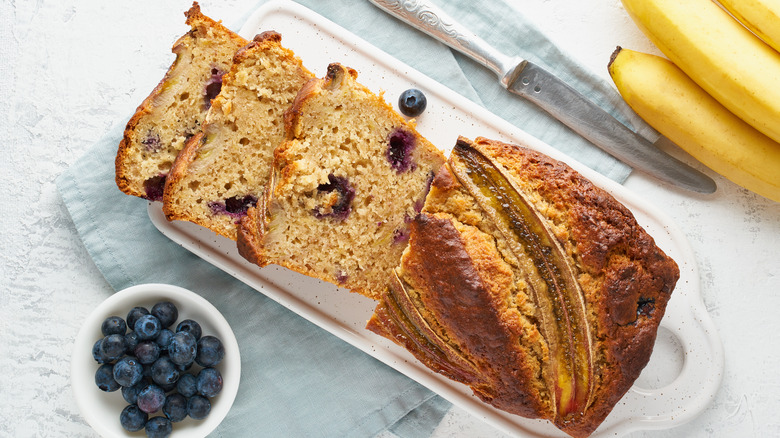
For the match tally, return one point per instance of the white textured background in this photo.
(69, 70)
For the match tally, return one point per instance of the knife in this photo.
(553, 95)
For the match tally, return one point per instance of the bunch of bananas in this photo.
(718, 94)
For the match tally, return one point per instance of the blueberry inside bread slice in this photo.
(344, 187)
(223, 170)
(528, 283)
(175, 109)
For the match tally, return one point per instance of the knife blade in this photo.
(553, 95)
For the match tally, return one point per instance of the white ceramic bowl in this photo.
(102, 409)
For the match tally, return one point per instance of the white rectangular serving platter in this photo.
(686, 367)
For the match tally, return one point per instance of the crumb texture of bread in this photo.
(345, 187)
(224, 170)
(176, 108)
(494, 323)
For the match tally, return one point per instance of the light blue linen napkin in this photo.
(298, 380)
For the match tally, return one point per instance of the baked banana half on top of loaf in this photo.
(343, 188)
(224, 168)
(531, 285)
(175, 109)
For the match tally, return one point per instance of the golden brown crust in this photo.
(625, 278)
(250, 229)
(628, 278)
(454, 262)
(196, 20)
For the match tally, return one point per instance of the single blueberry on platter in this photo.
(412, 102)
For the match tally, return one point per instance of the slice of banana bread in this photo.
(175, 109)
(531, 285)
(223, 170)
(344, 187)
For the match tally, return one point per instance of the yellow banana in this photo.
(686, 114)
(760, 16)
(719, 54)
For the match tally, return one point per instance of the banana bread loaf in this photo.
(223, 169)
(173, 112)
(531, 285)
(344, 187)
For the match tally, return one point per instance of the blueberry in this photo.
(209, 382)
(113, 347)
(235, 206)
(183, 348)
(166, 312)
(401, 235)
(213, 86)
(152, 142)
(151, 399)
(128, 371)
(154, 188)
(340, 208)
(130, 393)
(175, 407)
(198, 407)
(131, 339)
(192, 326)
(133, 419)
(147, 327)
(187, 385)
(400, 144)
(113, 325)
(147, 352)
(164, 371)
(164, 338)
(412, 102)
(158, 427)
(134, 314)
(239, 205)
(210, 351)
(97, 354)
(104, 378)
(341, 276)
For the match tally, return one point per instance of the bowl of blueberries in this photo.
(155, 360)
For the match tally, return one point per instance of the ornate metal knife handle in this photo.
(433, 21)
